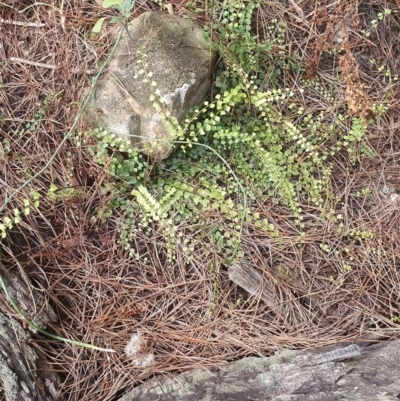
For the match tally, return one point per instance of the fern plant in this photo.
(275, 148)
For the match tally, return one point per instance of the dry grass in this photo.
(103, 297)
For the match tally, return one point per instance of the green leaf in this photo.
(98, 25)
(131, 180)
(115, 20)
(53, 188)
(112, 3)
(127, 5)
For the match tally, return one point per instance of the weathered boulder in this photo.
(165, 56)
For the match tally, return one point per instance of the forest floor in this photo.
(346, 264)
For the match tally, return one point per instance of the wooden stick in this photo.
(250, 280)
(27, 24)
(23, 61)
(246, 277)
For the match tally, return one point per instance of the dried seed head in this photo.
(135, 344)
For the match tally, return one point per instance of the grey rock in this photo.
(175, 52)
(333, 373)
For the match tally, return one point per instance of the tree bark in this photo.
(23, 374)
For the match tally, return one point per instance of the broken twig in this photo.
(27, 24)
(23, 61)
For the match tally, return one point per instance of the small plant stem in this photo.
(46, 333)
